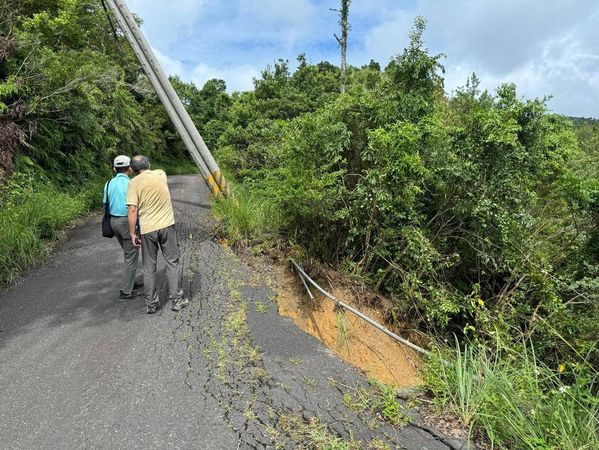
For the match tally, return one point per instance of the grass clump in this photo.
(247, 217)
(342, 331)
(29, 222)
(381, 400)
(313, 434)
(515, 400)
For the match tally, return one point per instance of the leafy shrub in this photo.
(68, 105)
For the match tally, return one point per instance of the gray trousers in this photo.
(166, 240)
(120, 226)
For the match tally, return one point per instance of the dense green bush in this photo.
(75, 96)
(473, 212)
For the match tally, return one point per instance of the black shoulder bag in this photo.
(106, 227)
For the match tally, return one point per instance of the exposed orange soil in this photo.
(365, 347)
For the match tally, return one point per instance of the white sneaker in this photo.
(180, 304)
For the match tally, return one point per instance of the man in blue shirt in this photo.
(115, 193)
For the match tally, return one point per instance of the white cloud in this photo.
(278, 14)
(544, 46)
(170, 65)
(289, 21)
(166, 22)
(502, 35)
(390, 37)
(238, 78)
(574, 92)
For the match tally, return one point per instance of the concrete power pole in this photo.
(169, 98)
(345, 27)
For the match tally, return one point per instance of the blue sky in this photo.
(546, 47)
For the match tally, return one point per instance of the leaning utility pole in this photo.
(169, 98)
(345, 27)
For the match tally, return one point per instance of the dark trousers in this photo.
(120, 226)
(164, 239)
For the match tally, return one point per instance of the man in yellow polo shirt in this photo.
(148, 196)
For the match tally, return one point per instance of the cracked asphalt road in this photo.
(80, 370)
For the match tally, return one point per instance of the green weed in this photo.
(342, 332)
(236, 319)
(246, 216)
(312, 434)
(311, 382)
(517, 401)
(31, 222)
(378, 444)
(380, 400)
(249, 414)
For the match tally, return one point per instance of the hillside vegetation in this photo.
(71, 99)
(476, 213)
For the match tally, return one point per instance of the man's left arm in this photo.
(104, 195)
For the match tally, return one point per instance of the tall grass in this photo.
(515, 400)
(247, 217)
(29, 222)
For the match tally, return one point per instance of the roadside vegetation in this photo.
(313, 434)
(31, 218)
(514, 398)
(71, 99)
(476, 213)
(248, 217)
(380, 400)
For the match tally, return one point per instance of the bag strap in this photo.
(107, 199)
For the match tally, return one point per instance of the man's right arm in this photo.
(132, 214)
(132, 219)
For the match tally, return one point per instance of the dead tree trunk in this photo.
(345, 27)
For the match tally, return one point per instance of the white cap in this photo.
(122, 161)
